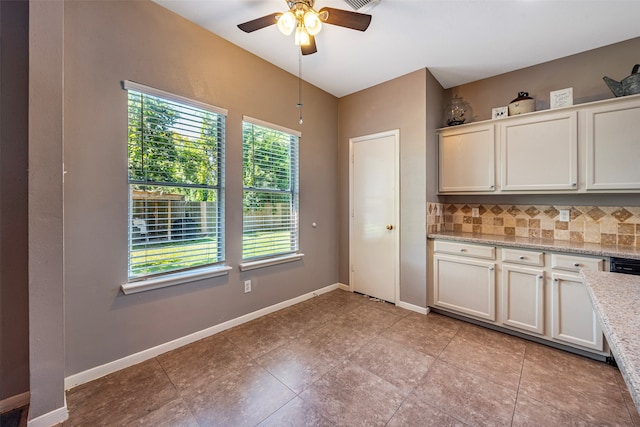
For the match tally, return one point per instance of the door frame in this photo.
(395, 133)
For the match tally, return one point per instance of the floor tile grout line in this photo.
(349, 306)
(515, 402)
(625, 400)
(296, 394)
(175, 386)
(435, 405)
(461, 368)
(280, 407)
(561, 409)
(346, 358)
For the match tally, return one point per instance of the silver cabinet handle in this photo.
(555, 280)
(576, 264)
(573, 184)
(491, 268)
(540, 276)
(463, 250)
(522, 257)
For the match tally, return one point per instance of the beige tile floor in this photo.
(343, 359)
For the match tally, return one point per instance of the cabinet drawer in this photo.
(465, 249)
(575, 263)
(523, 257)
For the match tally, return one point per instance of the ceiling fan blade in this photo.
(310, 48)
(259, 23)
(346, 18)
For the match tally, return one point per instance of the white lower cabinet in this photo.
(523, 298)
(465, 285)
(540, 294)
(572, 317)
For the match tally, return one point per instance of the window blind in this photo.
(270, 191)
(176, 200)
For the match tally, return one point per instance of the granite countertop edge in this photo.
(551, 245)
(616, 299)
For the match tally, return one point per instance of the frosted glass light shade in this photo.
(287, 23)
(312, 22)
(302, 37)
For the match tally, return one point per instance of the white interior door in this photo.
(374, 227)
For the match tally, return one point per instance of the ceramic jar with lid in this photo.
(522, 104)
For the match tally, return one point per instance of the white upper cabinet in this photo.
(540, 152)
(591, 147)
(613, 146)
(467, 159)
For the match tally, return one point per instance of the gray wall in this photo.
(107, 42)
(397, 104)
(583, 72)
(14, 134)
(46, 290)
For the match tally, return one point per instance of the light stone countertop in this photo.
(540, 244)
(616, 299)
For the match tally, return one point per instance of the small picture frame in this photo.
(561, 98)
(499, 112)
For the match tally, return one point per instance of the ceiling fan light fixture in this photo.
(287, 23)
(312, 22)
(302, 37)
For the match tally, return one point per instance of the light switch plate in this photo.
(564, 215)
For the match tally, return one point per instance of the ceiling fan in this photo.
(307, 22)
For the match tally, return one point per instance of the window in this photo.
(176, 191)
(270, 190)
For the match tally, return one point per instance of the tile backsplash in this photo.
(608, 225)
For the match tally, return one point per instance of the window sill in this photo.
(252, 265)
(174, 279)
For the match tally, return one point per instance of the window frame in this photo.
(172, 277)
(274, 258)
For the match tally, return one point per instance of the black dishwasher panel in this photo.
(625, 266)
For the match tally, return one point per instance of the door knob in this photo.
(389, 227)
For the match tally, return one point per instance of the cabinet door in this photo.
(613, 147)
(540, 153)
(466, 159)
(573, 318)
(465, 285)
(523, 298)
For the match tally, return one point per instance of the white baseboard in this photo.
(14, 402)
(416, 308)
(405, 305)
(111, 367)
(50, 418)
(343, 287)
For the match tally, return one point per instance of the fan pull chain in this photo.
(300, 85)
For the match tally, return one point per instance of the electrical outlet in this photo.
(247, 286)
(438, 209)
(475, 212)
(564, 215)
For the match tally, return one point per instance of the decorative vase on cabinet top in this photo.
(522, 104)
(630, 85)
(457, 112)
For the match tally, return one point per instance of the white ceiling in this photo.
(459, 41)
